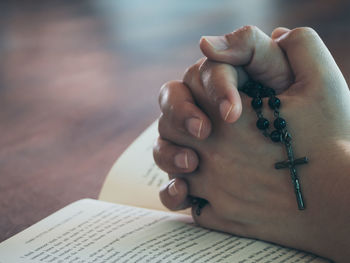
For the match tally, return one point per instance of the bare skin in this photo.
(235, 173)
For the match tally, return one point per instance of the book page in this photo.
(91, 231)
(135, 179)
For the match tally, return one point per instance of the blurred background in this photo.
(79, 81)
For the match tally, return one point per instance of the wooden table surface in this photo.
(79, 81)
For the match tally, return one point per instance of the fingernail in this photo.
(181, 160)
(226, 109)
(194, 126)
(172, 189)
(219, 43)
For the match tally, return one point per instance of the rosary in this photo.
(280, 135)
(257, 92)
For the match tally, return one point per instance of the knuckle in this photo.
(243, 34)
(167, 129)
(207, 76)
(156, 151)
(162, 124)
(165, 199)
(206, 67)
(165, 90)
(214, 82)
(302, 34)
(161, 155)
(249, 30)
(172, 120)
(191, 73)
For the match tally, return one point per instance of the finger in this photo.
(310, 59)
(220, 84)
(174, 195)
(174, 159)
(258, 53)
(181, 113)
(197, 184)
(193, 82)
(215, 86)
(278, 32)
(192, 79)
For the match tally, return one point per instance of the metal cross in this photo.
(291, 163)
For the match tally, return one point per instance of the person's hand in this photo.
(246, 195)
(247, 47)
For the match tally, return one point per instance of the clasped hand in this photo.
(211, 148)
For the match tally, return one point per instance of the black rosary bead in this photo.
(275, 136)
(259, 86)
(274, 102)
(249, 85)
(281, 134)
(267, 92)
(280, 123)
(257, 103)
(252, 89)
(262, 124)
(254, 93)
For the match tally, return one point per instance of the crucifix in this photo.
(291, 163)
(258, 92)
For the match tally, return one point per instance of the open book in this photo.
(131, 225)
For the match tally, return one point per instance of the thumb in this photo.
(310, 60)
(249, 47)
